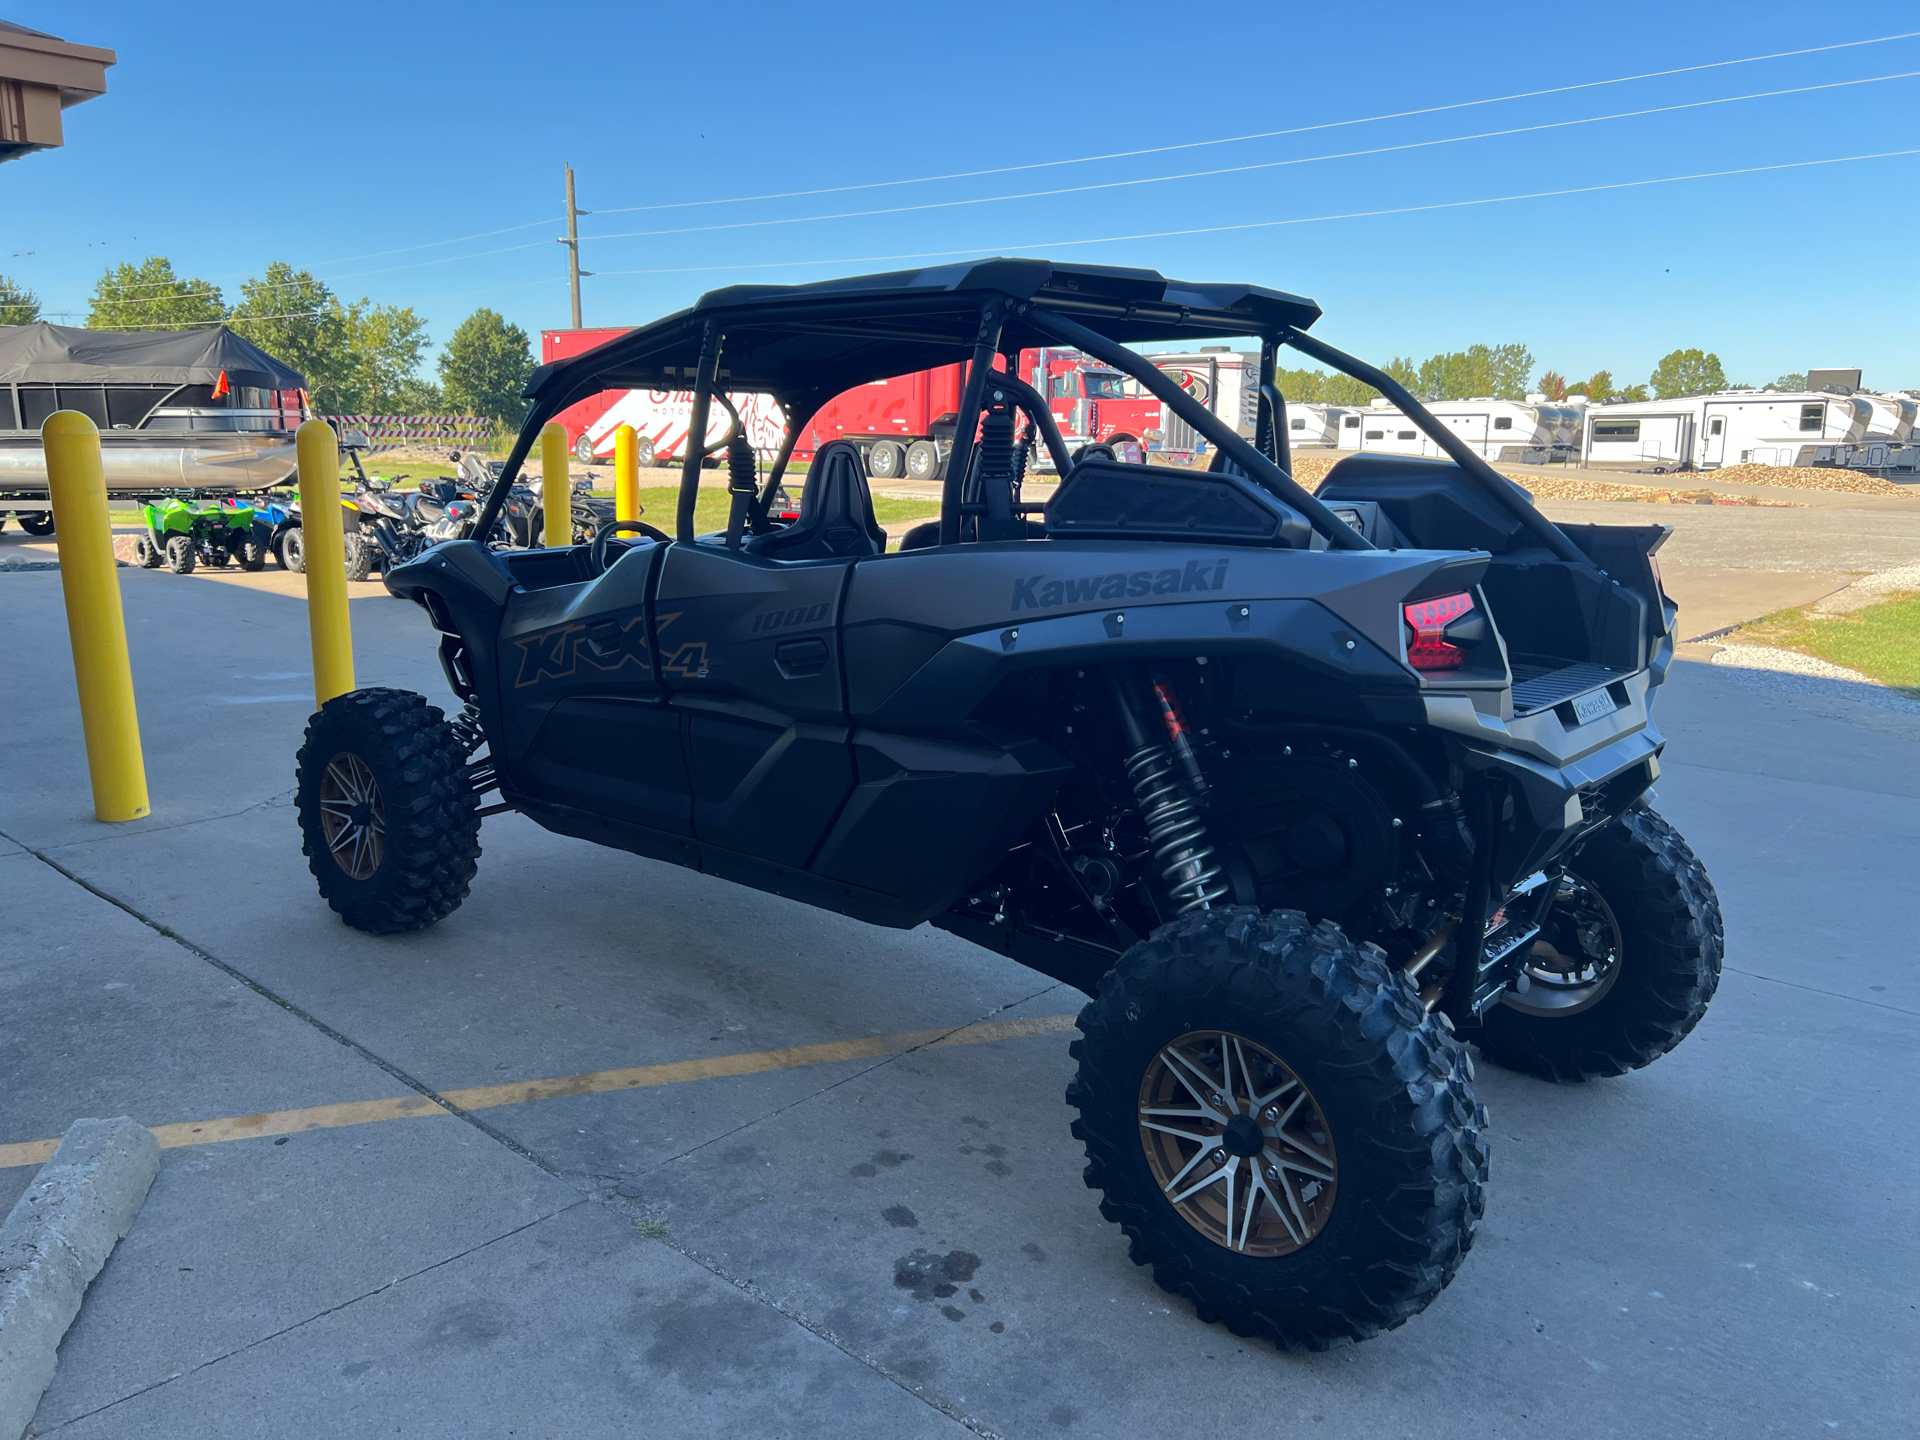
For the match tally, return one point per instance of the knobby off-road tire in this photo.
(359, 552)
(180, 558)
(146, 556)
(386, 761)
(1402, 1129)
(293, 552)
(1667, 943)
(251, 554)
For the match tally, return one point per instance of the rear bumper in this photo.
(1552, 735)
(1557, 806)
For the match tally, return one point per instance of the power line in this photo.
(1272, 224)
(1090, 159)
(1268, 134)
(1105, 184)
(1257, 165)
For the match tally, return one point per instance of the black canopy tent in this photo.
(52, 354)
(804, 344)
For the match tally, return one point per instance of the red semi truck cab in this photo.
(904, 425)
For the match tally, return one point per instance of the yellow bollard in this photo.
(556, 490)
(321, 532)
(626, 474)
(90, 580)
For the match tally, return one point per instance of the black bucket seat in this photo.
(836, 512)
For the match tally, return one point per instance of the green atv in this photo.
(181, 534)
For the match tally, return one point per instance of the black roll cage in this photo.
(1266, 460)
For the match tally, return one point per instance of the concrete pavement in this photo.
(1719, 1245)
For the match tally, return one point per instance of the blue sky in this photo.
(231, 136)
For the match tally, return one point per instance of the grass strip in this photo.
(1881, 641)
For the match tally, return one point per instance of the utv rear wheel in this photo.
(1284, 1134)
(1625, 965)
(293, 552)
(388, 818)
(146, 555)
(180, 555)
(251, 554)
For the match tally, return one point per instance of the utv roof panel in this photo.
(826, 337)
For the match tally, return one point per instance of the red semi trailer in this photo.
(904, 425)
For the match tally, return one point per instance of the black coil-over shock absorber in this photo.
(743, 482)
(1175, 831)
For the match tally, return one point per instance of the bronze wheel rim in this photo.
(1237, 1143)
(353, 818)
(1576, 958)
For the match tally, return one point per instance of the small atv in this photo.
(278, 530)
(1307, 792)
(182, 534)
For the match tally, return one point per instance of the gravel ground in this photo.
(1870, 590)
(1807, 477)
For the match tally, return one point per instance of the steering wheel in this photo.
(597, 552)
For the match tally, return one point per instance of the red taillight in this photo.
(1427, 645)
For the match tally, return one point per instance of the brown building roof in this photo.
(40, 75)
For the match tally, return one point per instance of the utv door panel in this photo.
(619, 757)
(930, 819)
(750, 651)
(586, 638)
(765, 790)
(725, 623)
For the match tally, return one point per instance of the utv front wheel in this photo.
(388, 818)
(1625, 964)
(1283, 1133)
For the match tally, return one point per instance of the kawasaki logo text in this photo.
(1040, 593)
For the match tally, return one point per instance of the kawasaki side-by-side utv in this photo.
(1307, 792)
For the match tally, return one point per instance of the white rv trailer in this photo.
(1495, 429)
(1893, 416)
(1312, 425)
(1704, 432)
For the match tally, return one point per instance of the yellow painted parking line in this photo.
(597, 1082)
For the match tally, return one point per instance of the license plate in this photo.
(1592, 706)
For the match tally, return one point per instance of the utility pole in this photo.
(572, 241)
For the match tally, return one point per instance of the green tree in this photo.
(414, 396)
(297, 320)
(1497, 370)
(1402, 368)
(485, 366)
(1552, 384)
(1596, 389)
(1317, 386)
(385, 342)
(1792, 380)
(1687, 372)
(149, 296)
(1632, 392)
(17, 306)
(355, 357)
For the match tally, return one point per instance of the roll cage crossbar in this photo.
(863, 336)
